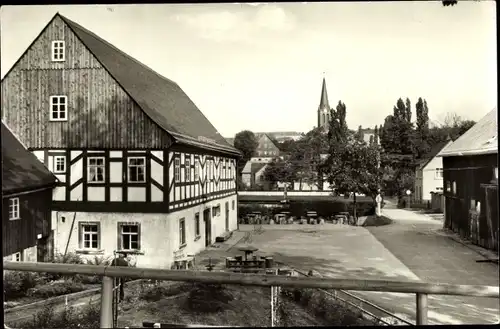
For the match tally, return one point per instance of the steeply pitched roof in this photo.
(479, 139)
(160, 98)
(434, 151)
(230, 140)
(324, 97)
(253, 167)
(21, 170)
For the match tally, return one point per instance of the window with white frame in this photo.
(129, 236)
(90, 236)
(196, 170)
(439, 173)
(95, 168)
(59, 164)
(58, 51)
(216, 211)
(136, 169)
(187, 170)
(17, 257)
(58, 108)
(182, 232)
(14, 209)
(177, 170)
(448, 186)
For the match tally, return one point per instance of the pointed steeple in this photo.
(323, 104)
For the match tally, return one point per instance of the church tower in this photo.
(324, 109)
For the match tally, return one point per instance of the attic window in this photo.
(58, 51)
(58, 108)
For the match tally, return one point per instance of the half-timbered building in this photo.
(26, 196)
(141, 169)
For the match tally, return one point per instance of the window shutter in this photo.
(80, 233)
(139, 247)
(119, 237)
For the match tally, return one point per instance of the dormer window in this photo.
(58, 51)
(58, 108)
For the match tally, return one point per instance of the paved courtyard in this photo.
(387, 253)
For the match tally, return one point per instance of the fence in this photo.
(422, 290)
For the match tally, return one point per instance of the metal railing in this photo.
(422, 290)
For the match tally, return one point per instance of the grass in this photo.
(375, 220)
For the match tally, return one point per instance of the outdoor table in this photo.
(248, 250)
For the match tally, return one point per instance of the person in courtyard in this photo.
(120, 261)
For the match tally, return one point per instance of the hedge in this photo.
(299, 208)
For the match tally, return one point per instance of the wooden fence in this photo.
(422, 290)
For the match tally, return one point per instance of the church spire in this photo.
(323, 104)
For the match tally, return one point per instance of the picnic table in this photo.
(248, 250)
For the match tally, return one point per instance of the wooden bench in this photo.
(184, 263)
(224, 236)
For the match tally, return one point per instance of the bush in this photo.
(93, 279)
(57, 288)
(208, 298)
(69, 258)
(17, 284)
(86, 318)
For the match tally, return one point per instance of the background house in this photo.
(141, 168)
(470, 182)
(26, 200)
(429, 174)
(252, 175)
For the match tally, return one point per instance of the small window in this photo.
(95, 168)
(448, 186)
(17, 257)
(58, 51)
(90, 236)
(136, 169)
(177, 170)
(232, 204)
(439, 188)
(14, 209)
(216, 211)
(187, 170)
(196, 170)
(182, 232)
(58, 108)
(129, 234)
(59, 164)
(439, 173)
(454, 189)
(197, 224)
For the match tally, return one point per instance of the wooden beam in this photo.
(258, 280)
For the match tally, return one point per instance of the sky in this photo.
(260, 66)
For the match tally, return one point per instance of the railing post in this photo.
(107, 302)
(422, 307)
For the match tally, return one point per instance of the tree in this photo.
(372, 140)
(422, 128)
(305, 157)
(449, 2)
(360, 134)
(354, 169)
(279, 171)
(246, 142)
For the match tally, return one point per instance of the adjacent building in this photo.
(470, 183)
(253, 177)
(429, 174)
(26, 200)
(140, 168)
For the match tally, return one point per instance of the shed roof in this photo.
(21, 170)
(160, 98)
(479, 139)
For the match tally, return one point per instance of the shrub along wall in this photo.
(364, 207)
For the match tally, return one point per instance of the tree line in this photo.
(342, 157)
